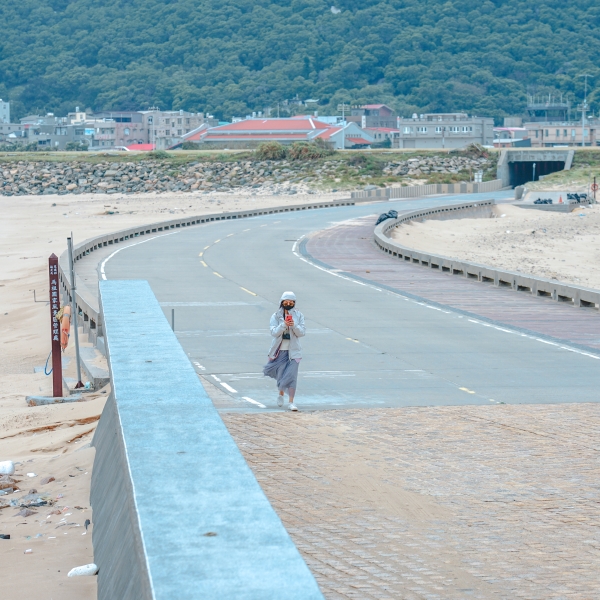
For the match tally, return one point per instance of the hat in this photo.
(288, 296)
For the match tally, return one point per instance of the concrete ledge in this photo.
(43, 400)
(177, 512)
(418, 191)
(536, 286)
(88, 312)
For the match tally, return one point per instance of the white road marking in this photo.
(253, 401)
(200, 366)
(216, 378)
(103, 263)
(228, 387)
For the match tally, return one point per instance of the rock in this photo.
(6, 482)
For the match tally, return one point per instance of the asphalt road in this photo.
(365, 346)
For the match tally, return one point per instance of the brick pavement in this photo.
(442, 502)
(350, 248)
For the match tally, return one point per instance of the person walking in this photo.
(287, 325)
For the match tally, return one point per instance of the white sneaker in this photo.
(280, 400)
(292, 406)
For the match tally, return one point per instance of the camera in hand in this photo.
(286, 335)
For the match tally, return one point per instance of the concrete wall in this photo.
(531, 155)
(536, 286)
(417, 191)
(178, 515)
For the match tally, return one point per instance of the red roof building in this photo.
(252, 132)
(141, 147)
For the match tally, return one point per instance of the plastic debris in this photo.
(7, 467)
(4, 536)
(25, 512)
(28, 551)
(31, 475)
(47, 480)
(87, 524)
(90, 569)
(392, 214)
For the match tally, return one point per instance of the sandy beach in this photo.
(53, 441)
(561, 246)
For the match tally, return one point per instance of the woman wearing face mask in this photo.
(287, 325)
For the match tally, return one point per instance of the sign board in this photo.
(89, 132)
(57, 383)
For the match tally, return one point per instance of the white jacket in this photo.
(278, 326)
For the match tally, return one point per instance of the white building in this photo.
(4, 111)
(438, 131)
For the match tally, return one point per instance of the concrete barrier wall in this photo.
(417, 191)
(537, 286)
(87, 301)
(177, 512)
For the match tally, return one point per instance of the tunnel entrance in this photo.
(521, 172)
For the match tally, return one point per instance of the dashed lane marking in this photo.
(464, 389)
(228, 387)
(217, 274)
(243, 288)
(203, 263)
(253, 401)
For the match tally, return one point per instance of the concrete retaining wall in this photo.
(177, 512)
(417, 191)
(559, 292)
(87, 301)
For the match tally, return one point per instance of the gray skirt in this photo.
(284, 370)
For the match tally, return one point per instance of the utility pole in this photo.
(154, 109)
(74, 323)
(533, 171)
(584, 108)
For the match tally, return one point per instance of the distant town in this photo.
(548, 123)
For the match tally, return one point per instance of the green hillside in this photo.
(230, 57)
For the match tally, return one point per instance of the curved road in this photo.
(365, 346)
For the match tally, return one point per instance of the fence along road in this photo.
(365, 346)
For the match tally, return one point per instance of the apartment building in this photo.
(443, 130)
(167, 128)
(372, 116)
(563, 133)
(4, 111)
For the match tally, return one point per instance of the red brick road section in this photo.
(443, 502)
(350, 248)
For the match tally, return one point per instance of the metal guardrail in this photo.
(536, 286)
(87, 301)
(416, 191)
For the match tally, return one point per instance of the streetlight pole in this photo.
(583, 111)
(533, 171)
(154, 109)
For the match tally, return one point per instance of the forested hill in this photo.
(229, 57)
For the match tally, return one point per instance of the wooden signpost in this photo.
(57, 386)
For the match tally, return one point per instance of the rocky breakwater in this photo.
(428, 165)
(26, 177)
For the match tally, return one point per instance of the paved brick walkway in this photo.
(446, 502)
(350, 247)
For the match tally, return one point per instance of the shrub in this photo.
(190, 146)
(271, 151)
(160, 154)
(308, 151)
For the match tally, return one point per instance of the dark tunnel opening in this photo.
(523, 171)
